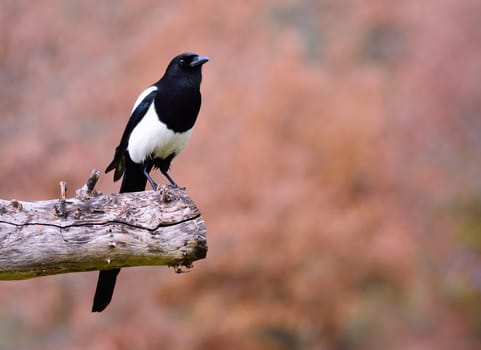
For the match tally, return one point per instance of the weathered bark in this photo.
(94, 231)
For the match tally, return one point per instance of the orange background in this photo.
(336, 161)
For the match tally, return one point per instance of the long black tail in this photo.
(134, 180)
(105, 289)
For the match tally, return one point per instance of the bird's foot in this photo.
(175, 186)
(155, 187)
(151, 181)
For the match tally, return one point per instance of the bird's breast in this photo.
(152, 138)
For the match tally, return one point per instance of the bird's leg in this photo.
(149, 178)
(171, 180)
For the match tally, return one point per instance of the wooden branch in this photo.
(95, 232)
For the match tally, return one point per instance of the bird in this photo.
(159, 127)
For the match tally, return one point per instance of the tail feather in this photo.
(105, 289)
(118, 163)
(134, 180)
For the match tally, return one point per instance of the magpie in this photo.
(159, 127)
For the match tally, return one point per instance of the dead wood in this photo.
(95, 231)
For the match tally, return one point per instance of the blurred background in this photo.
(336, 161)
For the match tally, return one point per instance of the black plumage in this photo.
(160, 125)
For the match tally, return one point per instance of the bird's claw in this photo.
(176, 187)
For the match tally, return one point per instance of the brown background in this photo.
(336, 161)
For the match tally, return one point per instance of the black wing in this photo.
(120, 151)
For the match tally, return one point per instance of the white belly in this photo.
(152, 137)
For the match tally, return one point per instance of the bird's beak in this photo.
(198, 61)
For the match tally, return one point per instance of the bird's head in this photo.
(186, 63)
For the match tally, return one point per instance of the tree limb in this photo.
(95, 232)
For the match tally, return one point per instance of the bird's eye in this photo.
(181, 61)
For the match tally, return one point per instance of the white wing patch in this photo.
(151, 136)
(142, 96)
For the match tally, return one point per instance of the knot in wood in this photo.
(165, 195)
(16, 205)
